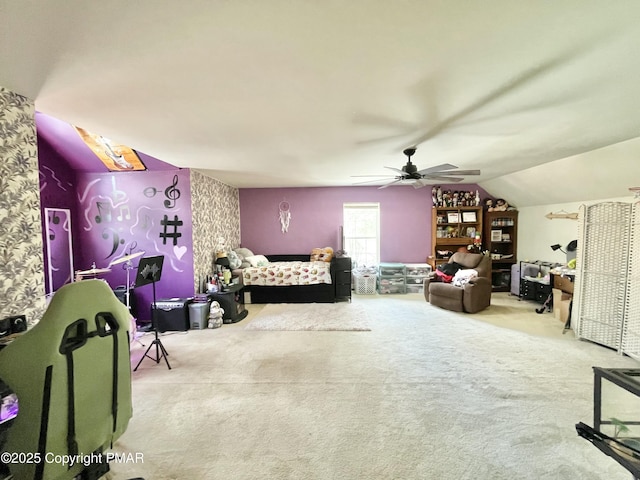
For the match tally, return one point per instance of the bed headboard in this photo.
(289, 258)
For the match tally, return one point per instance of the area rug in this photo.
(311, 316)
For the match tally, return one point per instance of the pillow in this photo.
(321, 254)
(450, 268)
(257, 260)
(243, 252)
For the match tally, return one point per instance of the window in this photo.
(362, 232)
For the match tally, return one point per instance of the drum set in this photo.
(95, 272)
(125, 261)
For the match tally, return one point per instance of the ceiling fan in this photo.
(410, 175)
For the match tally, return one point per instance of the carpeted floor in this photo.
(426, 394)
(312, 316)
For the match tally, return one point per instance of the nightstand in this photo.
(232, 302)
(343, 278)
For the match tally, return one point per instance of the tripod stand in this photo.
(149, 271)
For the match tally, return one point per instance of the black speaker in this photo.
(171, 314)
(121, 293)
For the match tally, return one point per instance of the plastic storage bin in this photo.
(391, 285)
(416, 274)
(392, 278)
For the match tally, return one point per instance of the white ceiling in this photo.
(275, 93)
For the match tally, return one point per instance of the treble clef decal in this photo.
(172, 193)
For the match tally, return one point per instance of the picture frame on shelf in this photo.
(470, 232)
(453, 217)
(506, 237)
(496, 235)
(469, 217)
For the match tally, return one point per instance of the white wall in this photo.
(536, 233)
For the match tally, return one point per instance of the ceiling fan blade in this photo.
(524, 78)
(372, 176)
(368, 181)
(401, 172)
(381, 121)
(436, 169)
(459, 172)
(372, 141)
(443, 178)
(390, 183)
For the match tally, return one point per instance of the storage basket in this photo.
(365, 284)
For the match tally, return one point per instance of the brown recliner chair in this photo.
(471, 297)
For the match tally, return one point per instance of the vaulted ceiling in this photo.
(542, 97)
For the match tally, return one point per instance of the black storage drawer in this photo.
(343, 278)
(527, 290)
(536, 291)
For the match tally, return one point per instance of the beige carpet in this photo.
(426, 394)
(311, 316)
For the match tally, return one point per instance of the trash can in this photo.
(199, 315)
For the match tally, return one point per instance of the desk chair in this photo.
(72, 375)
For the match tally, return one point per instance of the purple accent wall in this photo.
(316, 217)
(116, 213)
(57, 190)
(124, 213)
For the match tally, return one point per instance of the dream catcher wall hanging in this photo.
(285, 215)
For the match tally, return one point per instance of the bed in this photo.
(274, 291)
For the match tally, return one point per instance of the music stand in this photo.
(149, 272)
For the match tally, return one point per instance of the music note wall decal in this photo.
(104, 212)
(125, 213)
(172, 193)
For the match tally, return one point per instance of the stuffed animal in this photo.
(234, 260)
(215, 315)
(321, 254)
(501, 205)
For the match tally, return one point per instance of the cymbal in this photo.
(93, 271)
(126, 258)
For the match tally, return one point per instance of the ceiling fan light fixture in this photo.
(410, 175)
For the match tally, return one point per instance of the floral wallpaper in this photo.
(21, 257)
(215, 210)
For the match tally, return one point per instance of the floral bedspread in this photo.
(288, 273)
